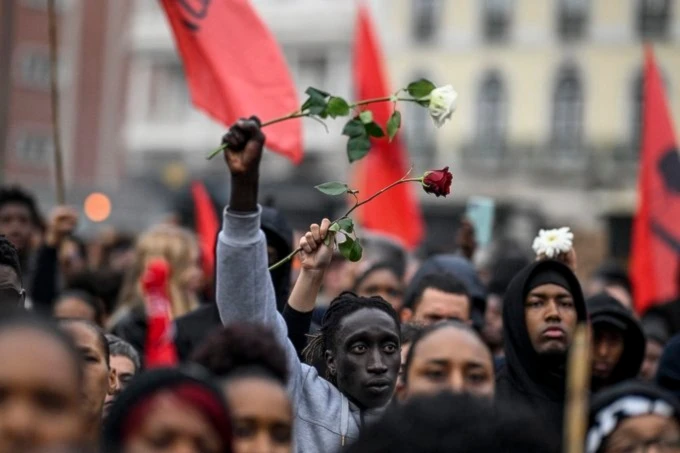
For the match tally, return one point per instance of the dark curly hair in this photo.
(342, 306)
(17, 195)
(9, 256)
(242, 346)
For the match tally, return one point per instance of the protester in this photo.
(445, 423)
(359, 336)
(634, 417)
(448, 356)
(664, 317)
(654, 347)
(618, 343)
(194, 327)
(541, 309)
(179, 248)
(612, 279)
(381, 279)
(409, 332)
(73, 304)
(125, 361)
(168, 410)
(12, 293)
(19, 219)
(40, 387)
(99, 378)
(464, 272)
(436, 297)
(251, 367)
(668, 373)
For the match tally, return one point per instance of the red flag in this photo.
(655, 250)
(207, 226)
(395, 213)
(235, 68)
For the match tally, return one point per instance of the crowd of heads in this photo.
(432, 345)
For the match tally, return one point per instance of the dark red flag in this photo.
(395, 213)
(207, 226)
(655, 253)
(235, 68)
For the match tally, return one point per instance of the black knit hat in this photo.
(628, 399)
(152, 382)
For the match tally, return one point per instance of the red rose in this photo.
(438, 182)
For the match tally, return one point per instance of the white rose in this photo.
(442, 104)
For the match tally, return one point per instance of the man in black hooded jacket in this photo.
(541, 309)
(193, 327)
(618, 342)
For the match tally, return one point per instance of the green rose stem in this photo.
(356, 205)
(299, 114)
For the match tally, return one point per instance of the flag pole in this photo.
(54, 92)
(578, 386)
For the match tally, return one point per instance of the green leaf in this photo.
(346, 224)
(332, 188)
(366, 116)
(357, 148)
(335, 227)
(337, 107)
(351, 249)
(420, 88)
(354, 128)
(393, 124)
(316, 103)
(374, 130)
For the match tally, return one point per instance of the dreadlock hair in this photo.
(17, 195)
(425, 332)
(342, 306)
(9, 256)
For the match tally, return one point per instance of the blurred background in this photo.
(548, 120)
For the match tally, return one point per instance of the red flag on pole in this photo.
(395, 213)
(235, 68)
(655, 253)
(207, 226)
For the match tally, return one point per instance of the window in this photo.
(60, 5)
(567, 118)
(34, 147)
(653, 18)
(636, 114)
(497, 19)
(34, 68)
(425, 19)
(572, 18)
(420, 132)
(491, 115)
(169, 97)
(312, 71)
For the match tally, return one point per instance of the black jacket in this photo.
(192, 328)
(604, 309)
(525, 378)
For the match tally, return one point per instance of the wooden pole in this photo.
(54, 91)
(578, 387)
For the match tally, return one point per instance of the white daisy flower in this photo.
(553, 243)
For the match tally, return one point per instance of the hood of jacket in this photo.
(280, 237)
(668, 373)
(524, 365)
(604, 309)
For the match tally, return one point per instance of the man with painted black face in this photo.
(541, 309)
(359, 337)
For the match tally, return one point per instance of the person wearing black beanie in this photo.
(668, 373)
(541, 309)
(618, 342)
(178, 406)
(633, 417)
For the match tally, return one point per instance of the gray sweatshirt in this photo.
(324, 418)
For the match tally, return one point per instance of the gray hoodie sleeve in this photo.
(245, 292)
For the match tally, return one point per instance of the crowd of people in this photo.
(125, 345)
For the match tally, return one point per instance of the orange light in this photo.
(97, 207)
